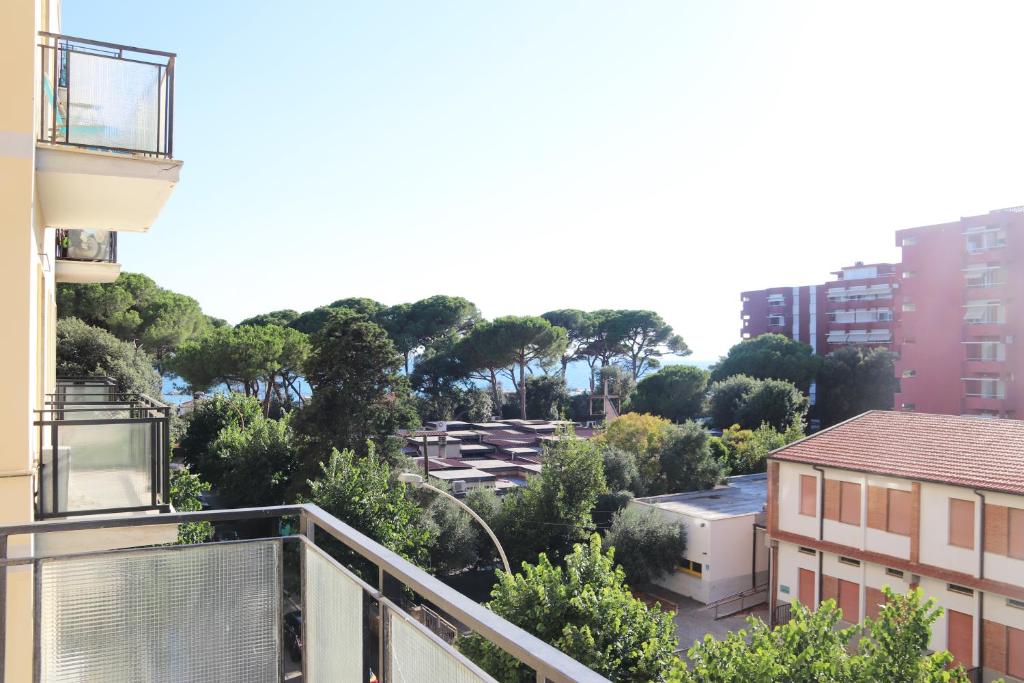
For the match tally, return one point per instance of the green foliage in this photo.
(644, 436)
(686, 461)
(725, 398)
(620, 470)
(619, 380)
(483, 355)
(266, 355)
(607, 505)
(644, 338)
(205, 423)
(553, 510)
(774, 402)
(282, 318)
(751, 402)
(586, 611)
(487, 504)
(256, 461)
(361, 492)
(547, 397)
(358, 392)
(526, 340)
(83, 350)
(134, 308)
(427, 323)
(186, 489)
(578, 326)
(646, 545)
(745, 451)
(770, 356)
(675, 393)
(853, 380)
(811, 648)
(456, 536)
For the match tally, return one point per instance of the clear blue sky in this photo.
(540, 155)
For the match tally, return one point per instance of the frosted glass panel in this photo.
(415, 656)
(190, 613)
(112, 102)
(333, 619)
(108, 465)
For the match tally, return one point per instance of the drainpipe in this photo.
(981, 575)
(821, 527)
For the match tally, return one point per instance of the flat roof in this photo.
(974, 452)
(520, 450)
(476, 448)
(418, 440)
(466, 473)
(488, 425)
(739, 496)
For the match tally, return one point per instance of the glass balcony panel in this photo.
(186, 613)
(87, 245)
(333, 621)
(416, 655)
(108, 465)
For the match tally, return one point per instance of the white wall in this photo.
(935, 547)
(790, 518)
(1002, 567)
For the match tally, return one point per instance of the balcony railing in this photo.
(106, 96)
(301, 582)
(101, 451)
(87, 245)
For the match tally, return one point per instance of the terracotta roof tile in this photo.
(962, 451)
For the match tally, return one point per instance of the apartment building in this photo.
(88, 590)
(961, 316)
(855, 307)
(905, 500)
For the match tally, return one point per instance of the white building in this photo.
(908, 500)
(725, 548)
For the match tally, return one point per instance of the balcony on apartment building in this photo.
(985, 245)
(104, 154)
(85, 256)
(984, 281)
(102, 452)
(297, 591)
(984, 356)
(984, 318)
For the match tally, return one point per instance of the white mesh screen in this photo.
(197, 613)
(112, 102)
(413, 656)
(333, 619)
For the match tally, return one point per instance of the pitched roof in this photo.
(962, 451)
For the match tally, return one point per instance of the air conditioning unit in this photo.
(458, 487)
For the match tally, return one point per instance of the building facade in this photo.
(961, 316)
(855, 307)
(908, 500)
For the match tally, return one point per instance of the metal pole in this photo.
(426, 459)
(471, 511)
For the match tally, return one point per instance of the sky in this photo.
(536, 155)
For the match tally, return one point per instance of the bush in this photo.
(204, 424)
(646, 545)
(84, 350)
(726, 398)
(675, 393)
(257, 462)
(686, 460)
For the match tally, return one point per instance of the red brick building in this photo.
(960, 310)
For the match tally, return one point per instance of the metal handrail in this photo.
(549, 663)
(56, 82)
(63, 236)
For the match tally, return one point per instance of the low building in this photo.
(908, 500)
(725, 546)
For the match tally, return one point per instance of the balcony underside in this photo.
(83, 188)
(84, 272)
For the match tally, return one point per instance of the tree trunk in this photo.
(522, 390)
(269, 393)
(496, 390)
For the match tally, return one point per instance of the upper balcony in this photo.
(85, 256)
(104, 157)
(300, 591)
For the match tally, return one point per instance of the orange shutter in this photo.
(961, 523)
(874, 599)
(806, 590)
(849, 601)
(832, 499)
(900, 513)
(1015, 523)
(849, 507)
(960, 637)
(994, 638)
(1015, 652)
(829, 587)
(877, 507)
(808, 495)
(996, 525)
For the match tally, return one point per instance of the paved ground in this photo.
(693, 620)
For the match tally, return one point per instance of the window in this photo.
(776, 320)
(850, 561)
(909, 407)
(960, 637)
(806, 595)
(849, 601)
(909, 373)
(898, 520)
(894, 572)
(962, 590)
(909, 307)
(808, 495)
(907, 274)
(961, 523)
(1019, 604)
(1014, 652)
(849, 503)
(908, 241)
(1015, 530)
(691, 567)
(808, 551)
